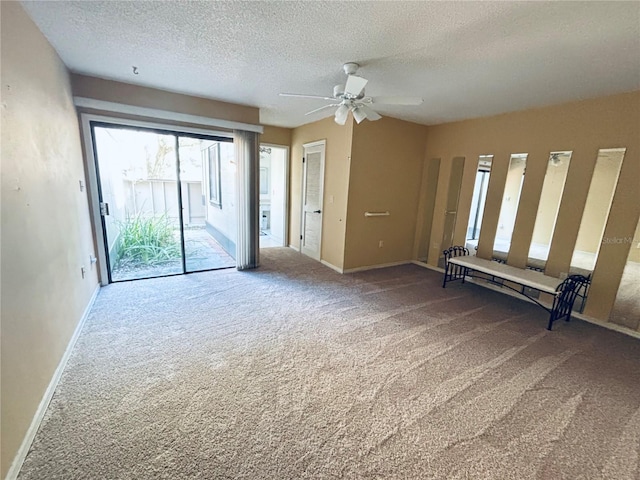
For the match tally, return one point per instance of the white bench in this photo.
(459, 265)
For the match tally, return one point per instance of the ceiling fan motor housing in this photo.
(350, 68)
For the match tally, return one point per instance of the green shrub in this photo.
(147, 241)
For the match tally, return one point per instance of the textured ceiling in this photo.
(466, 59)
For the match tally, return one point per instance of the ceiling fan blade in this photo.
(299, 95)
(397, 100)
(371, 114)
(322, 108)
(355, 85)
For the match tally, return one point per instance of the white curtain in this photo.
(247, 178)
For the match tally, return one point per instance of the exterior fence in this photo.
(150, 198)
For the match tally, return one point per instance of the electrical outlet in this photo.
(381, 244)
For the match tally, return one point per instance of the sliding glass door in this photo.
(208, 192)
(155, 195)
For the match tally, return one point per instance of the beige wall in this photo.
(582, 127)
(386, 169)
(46, 232)
(276, 135)
(118, 92)
(336, 184)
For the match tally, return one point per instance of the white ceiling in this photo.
(466, 59)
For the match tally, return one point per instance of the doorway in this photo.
(162, 197)
(274, 162)
(312, 197)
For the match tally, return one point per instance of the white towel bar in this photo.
(376, 214)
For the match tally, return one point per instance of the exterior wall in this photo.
(582, 127)
(336, 184)
(222, 221)
(386, 168)
(46, 229)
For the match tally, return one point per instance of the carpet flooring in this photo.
(293, 371)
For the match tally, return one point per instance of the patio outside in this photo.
(202, 252)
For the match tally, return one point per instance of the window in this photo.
(213, 166)
(478, 199)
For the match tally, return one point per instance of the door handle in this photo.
(317, 211)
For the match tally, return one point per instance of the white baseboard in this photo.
(331, 266)
(294, 247)
(373, 267)
(18, 460)
(609, 325)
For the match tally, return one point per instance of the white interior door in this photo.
(312, 194)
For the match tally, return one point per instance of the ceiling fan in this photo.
(351, 98)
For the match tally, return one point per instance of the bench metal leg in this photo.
(454, 272)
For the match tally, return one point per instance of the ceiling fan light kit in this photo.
(341, 114)
(351, 98)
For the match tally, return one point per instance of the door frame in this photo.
(86, 120)
(286, 206)
(321, 146)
